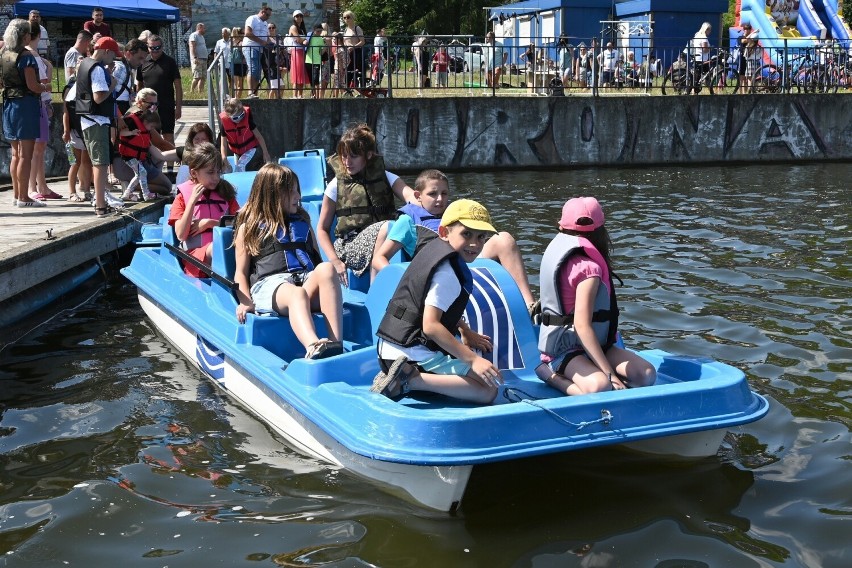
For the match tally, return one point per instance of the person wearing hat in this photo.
(579, 311)
(417, 346)
(96, 108)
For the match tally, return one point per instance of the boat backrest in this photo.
(182, 174)
(168, 237)
(496, 309)
(242, 182)
(224, 255)
(311, 173)
(311, 152)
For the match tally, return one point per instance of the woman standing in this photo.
(298, 37)
(353, 39)
(21, 106)
(240, 70)
(38, 188)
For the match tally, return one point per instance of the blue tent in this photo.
(133, 10)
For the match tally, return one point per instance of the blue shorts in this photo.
(252, 57)
(263, 291)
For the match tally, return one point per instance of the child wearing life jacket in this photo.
(242, 137)
(579, 311)
(134, 143)
(361, 196)
(418, 224)
(201, 201)
(279, 268)
(417, 346)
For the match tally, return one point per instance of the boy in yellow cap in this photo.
(417, 346)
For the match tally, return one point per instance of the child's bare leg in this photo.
(455, 386)
(503, 248)
(638, 371)
(323, 287)
(293, 302)
(580, 376)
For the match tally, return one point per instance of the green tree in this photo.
(412, 17)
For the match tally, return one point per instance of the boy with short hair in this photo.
(419, 223)
(417, 346)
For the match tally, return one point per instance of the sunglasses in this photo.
(155, 48)
(347, 17)
(238, 117)
(149, 103)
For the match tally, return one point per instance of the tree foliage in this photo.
(412, 17)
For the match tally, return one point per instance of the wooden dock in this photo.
(37, 244)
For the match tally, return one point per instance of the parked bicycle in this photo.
(803, 73)
(718, 75)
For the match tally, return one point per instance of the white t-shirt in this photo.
(223, 46)
(444, 288)
(331, 188)
(42, 75)
(697, 45)
(100, 84)
(259, 28)
(200, 46)
(71, 58)
(43, 42)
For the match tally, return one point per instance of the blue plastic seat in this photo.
(311, 152)
(311, 173)
(242, 182)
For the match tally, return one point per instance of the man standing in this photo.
(97, 25)
(160, 72)
(77, 52)
(495, 58)
(43, 42)
(198, 58)
(124, 70)
(256, 38)
(96, 109)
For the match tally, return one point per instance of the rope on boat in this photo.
(517, 395)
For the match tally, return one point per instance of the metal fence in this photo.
(464, 65)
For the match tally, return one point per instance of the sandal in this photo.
(52, 195)
(323, 349)
(104, 211)
(394, 383)
(37, 196)
(76, 198)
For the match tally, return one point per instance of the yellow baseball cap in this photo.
(470, 214)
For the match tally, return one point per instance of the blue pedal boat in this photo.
(422, 448)
(425, 447)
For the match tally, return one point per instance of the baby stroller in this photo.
(371, 90)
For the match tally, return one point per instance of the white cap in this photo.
(297, 13)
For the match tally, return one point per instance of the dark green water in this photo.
(115, 452)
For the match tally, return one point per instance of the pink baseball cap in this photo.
(582, 214)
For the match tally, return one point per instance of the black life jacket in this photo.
(294, 252)
(14, 85)
(85, 103)
(402, 324)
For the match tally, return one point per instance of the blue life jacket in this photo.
(294, 252)
(425, 223)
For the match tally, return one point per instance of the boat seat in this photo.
(311, 173)
(169, 237)
(182, 174)
(311, 152)
(242, 182)
(496, 309)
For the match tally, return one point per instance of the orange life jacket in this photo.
(240, 138)
(135, 146)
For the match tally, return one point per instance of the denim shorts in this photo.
(263, 291)
(252, 56)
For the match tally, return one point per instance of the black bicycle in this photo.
(718, 75)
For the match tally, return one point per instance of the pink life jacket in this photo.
(210, 206)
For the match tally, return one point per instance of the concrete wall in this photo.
(509, 132)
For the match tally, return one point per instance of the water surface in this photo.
(115, 451)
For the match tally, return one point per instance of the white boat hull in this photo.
(436, 487)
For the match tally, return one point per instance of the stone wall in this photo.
(458, 133)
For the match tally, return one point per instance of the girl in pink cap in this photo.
(579, 311)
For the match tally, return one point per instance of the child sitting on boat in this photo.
(579, 311)
(417, 346)
(361, 196)
(279, 269)
(241, 136)
(418, 224)
(201, 201)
